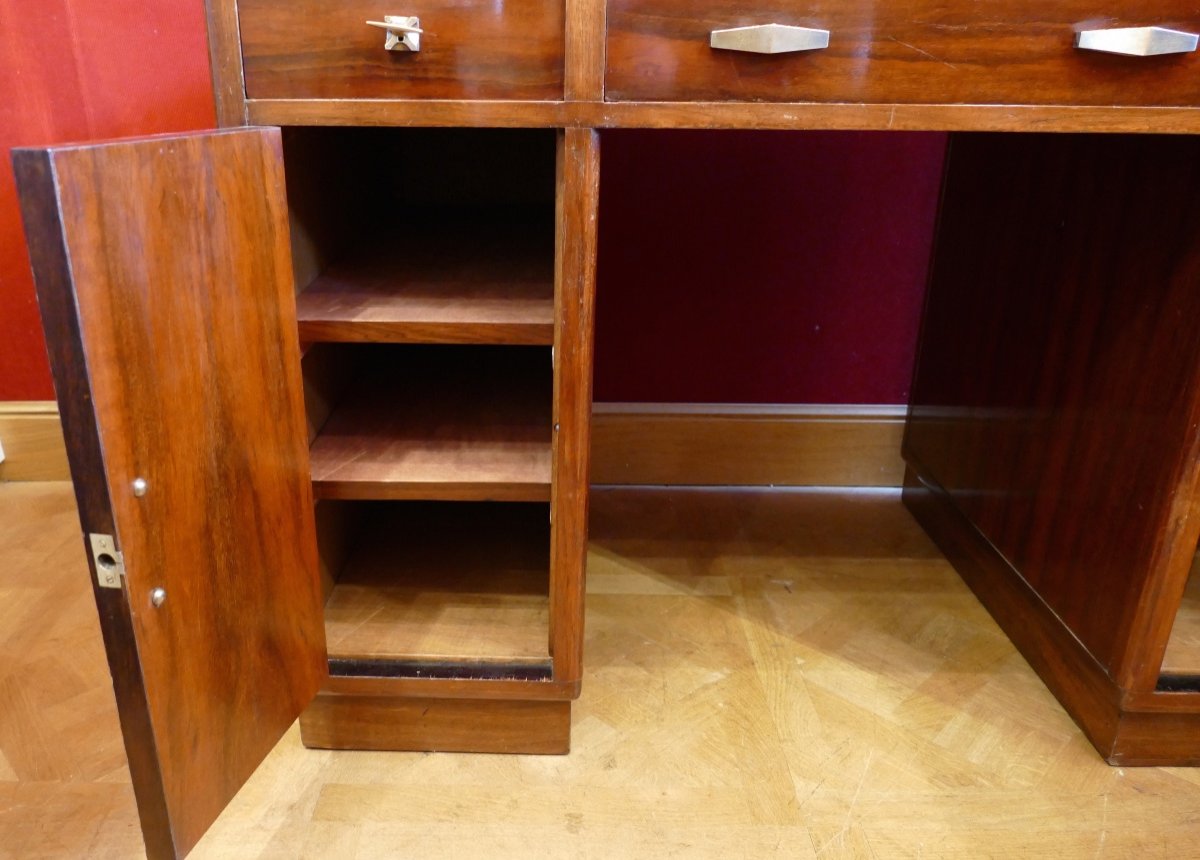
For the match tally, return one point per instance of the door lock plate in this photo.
(110, 564)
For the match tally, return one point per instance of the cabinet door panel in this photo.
(164, 277)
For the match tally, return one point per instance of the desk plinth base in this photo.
(1127, 728)
(437, 725)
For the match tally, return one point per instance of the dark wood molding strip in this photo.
(440, 670)
(713, 115)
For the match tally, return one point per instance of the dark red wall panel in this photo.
(82, 70)
(763, 267)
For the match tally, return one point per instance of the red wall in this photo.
(752, 267)
(763, 267)
(84, 70)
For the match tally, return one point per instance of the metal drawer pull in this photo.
(403, 32)
(769, 39)
(1137, 41)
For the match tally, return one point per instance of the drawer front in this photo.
(914, 52)
(323, 49)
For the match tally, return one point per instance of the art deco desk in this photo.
(326, 390)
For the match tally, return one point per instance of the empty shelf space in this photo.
(439, 422)
(1183, 648)
(444, 583)
(480, 284)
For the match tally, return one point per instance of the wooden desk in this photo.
(439, 223)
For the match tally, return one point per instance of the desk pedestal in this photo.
(1053, 439)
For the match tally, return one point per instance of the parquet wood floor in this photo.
(769, 674)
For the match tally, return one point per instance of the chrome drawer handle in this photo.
(403, 32)
(1137, 41)
(769, 39)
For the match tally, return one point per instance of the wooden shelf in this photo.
(1183, 648)
(479, 285)
(440, 422)
(445, 582)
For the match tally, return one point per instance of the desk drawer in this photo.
(917, 52)
(323, 49)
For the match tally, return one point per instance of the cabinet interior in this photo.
(423, 235)
(1181, 663)
(435, 584)
(424, 263)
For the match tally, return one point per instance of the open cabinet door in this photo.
(164, 277)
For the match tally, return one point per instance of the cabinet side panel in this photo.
(1058, 389)
(39, 206)
(575, 293)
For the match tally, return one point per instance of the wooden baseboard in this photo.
(674, 444)
(31, 434)
(747, 445)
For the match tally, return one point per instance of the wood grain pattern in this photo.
(318, 49)
(585, 49)
(922, 116)
(881, 52)
(577, 208)
(225, 55)
(408, 112)
(177, 259)
(429, 422)
(1057, 394)
(684, 444)
(444, 582)
(478, 286)
(437, 725)
(1149, 728)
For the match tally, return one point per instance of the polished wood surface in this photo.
(444, 582)
(922, 116)
(585, 49)
(429, 422)
(161, 243)
(484, 286)
(897, 733)
(688, 444)
(225, 57)
(1057, 393)
(1146, 728)
(316, 49)
(576, 210)
(897, 52)
(437, 725)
